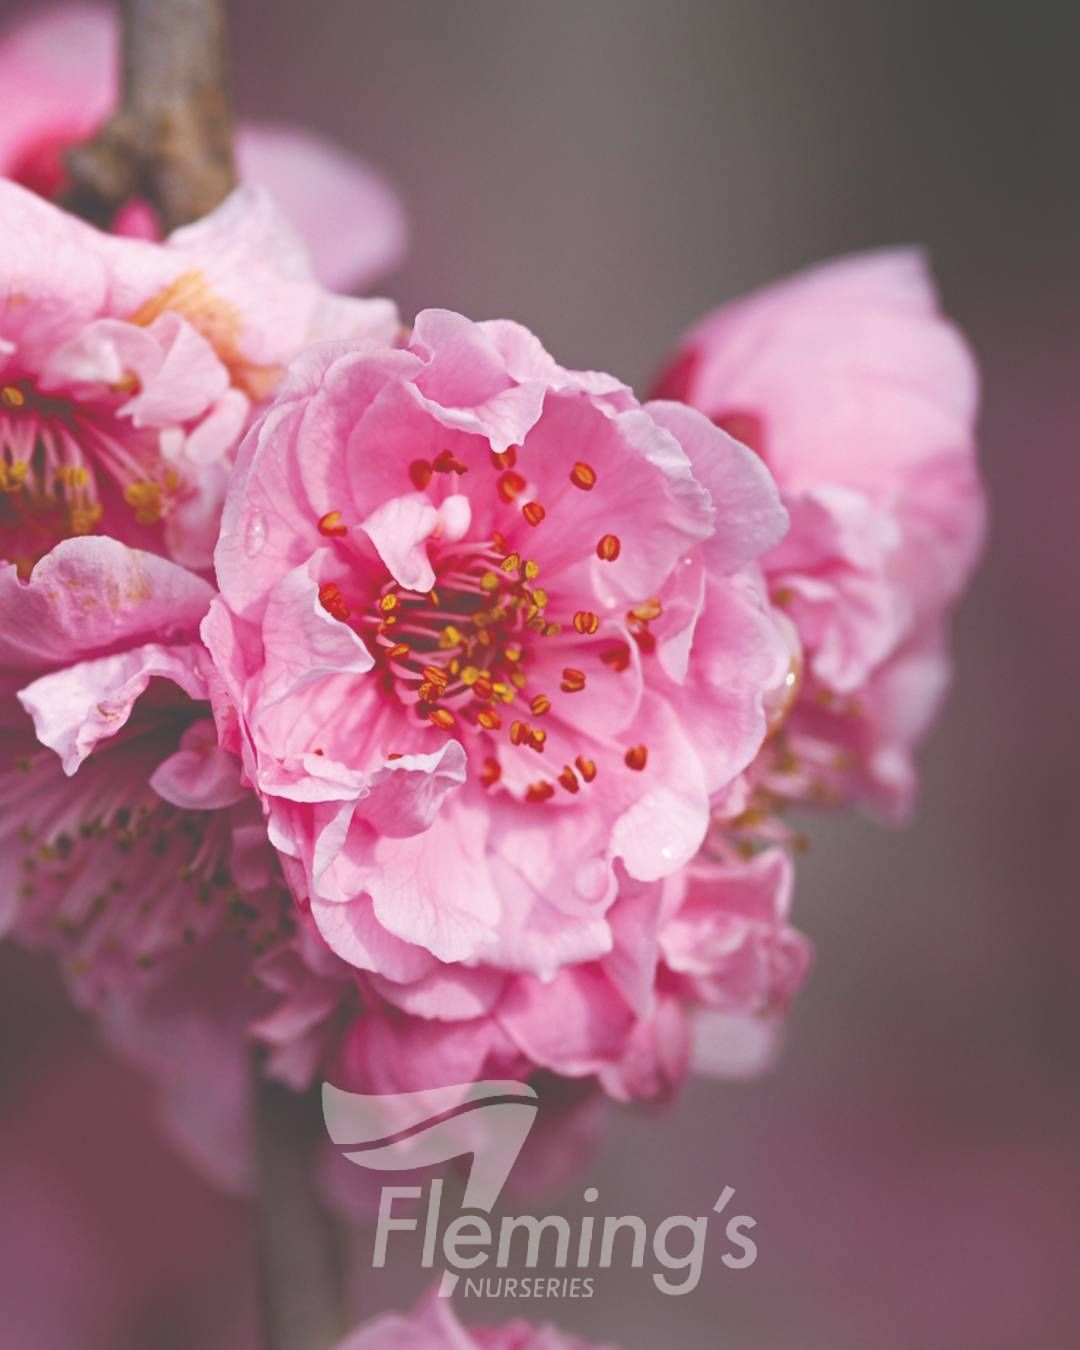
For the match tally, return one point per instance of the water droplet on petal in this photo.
(255, 535)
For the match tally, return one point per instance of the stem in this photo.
(300, 1284)
(170, 141)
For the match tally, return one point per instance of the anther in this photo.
(586, 767)
(540, 705)
(586, 622)
(505, 459)
(646, 611)
(332, 525)
(388, 603)
(539, 792)
(12, 397)
(510, 485)
(568, 778)
(489, 719)
(443, 718)
(331, 600)
(533, 512)
(420, 472)
(636, 757)
(618, 658)
(491, 772)
(583, 476)
(573, 681)
(609, 548)
(447, 462)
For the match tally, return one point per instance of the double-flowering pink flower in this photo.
(861, 397)
(488, 640)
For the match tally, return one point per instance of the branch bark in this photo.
(299, 1264)
(170, 141)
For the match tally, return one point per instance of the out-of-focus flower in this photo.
(58, 70)
(460, 586)
(433, 1325)
(127, 835)
(128, 369)
(861, 399)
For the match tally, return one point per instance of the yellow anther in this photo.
(145, 499)
(13, 475)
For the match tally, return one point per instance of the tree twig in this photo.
(299, 1265)
(170, 141)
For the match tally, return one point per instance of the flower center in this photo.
(466, 656)
(59, 465)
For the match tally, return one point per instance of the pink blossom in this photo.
(58, 69)
(126, 835)
(128, 370)
(434, 1325)
(702, 966)
(861, 399)
(460, 586)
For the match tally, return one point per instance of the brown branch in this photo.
(300, 1275)
(170, 141)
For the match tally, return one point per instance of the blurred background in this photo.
(605, 171)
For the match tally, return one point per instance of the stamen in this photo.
(489, 719)
(540, 705)
(573, 681)
(145, 499)
(568, 779)
(443, 718)
(583, 476)
(420, 472)
(586, 622)
(447, 462)
(331, 600)
(586, 767)
(510, 485)
(533, 512)
(332, 525)
(609, 548)
(636, 757)
(646, 611)
(539, 792)
(388, 603)
(13, 475)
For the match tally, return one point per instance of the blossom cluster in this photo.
(415, 707)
